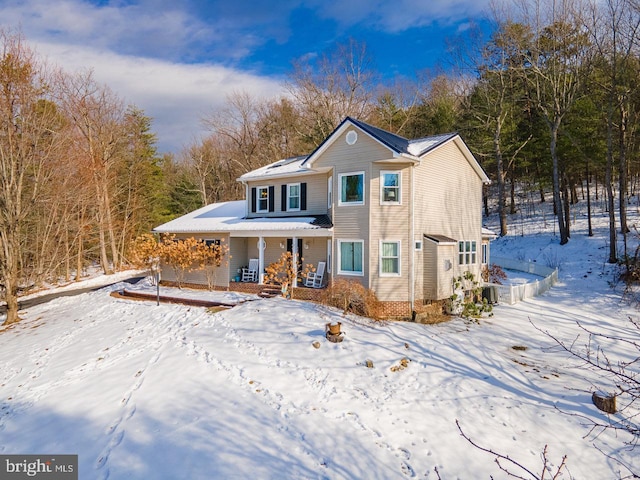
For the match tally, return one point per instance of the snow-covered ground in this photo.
(141, 391)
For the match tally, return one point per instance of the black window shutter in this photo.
(272, 192)
(303, 196)
(253, 200)
(283, 196)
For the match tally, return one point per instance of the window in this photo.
(466, 252)
(293, 196)
(485, 253)
(351, 257)
(390, 187)
(208, 243)
(330, 192)
(351, 188)
(262, 199)
(389, 258)
(418, 245)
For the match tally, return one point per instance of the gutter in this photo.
(412, 250)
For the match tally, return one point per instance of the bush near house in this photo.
(350, 296)
(283, 273)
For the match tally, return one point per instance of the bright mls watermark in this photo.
(49, 467)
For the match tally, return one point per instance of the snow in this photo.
(142, 391)
(286, 166)
(229, 217)
(420, 146)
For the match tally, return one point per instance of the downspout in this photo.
(246, 199)
(412, 250)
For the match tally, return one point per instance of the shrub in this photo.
(210, 258)
(466, 298)
(351, 296)
(493, 274)
(144, 252)
(285, 271)
(181, 255)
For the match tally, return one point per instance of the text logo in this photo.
(49, 467)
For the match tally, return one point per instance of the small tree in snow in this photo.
(181, 255)
(144, 252)
(210, 258)
(284, 272)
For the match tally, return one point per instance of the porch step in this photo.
(270, 291)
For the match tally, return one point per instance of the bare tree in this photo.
(28, 139)
(98, 117)
(555, 69)
(337, 85)
(613, 27)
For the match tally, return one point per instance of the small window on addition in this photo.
(418, 245)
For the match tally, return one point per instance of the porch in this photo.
(309, 250)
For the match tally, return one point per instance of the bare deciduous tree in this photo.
(337, 85)
(28, 121)
(97, 115)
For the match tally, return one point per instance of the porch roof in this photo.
(229, 217)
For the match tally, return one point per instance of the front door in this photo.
(290, 246)
(290, 249)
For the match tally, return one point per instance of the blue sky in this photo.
(179, 59)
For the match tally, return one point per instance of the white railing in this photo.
(514, 293)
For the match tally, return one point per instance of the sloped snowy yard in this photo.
(172, 392)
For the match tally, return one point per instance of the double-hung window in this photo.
(467, 252)
(293, 197)
(351, 188)
(351, 257)
(390, 187)
(262, 199)
(389, 258)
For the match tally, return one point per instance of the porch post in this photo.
(296, 257)
(261, 247)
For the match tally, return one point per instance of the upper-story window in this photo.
(262, 199)
(293, 197)
(351, 188)
(390, 187)
(330, 192)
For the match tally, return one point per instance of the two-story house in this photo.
(403, 217)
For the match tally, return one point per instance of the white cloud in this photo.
(135, 29)
(176, 96)
(398, 15)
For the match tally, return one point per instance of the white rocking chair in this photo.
(314, 279)
(250, 273)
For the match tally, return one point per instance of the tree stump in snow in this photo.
(334, 338)
(605, 402)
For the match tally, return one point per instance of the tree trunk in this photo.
(608, 180)
(512, 207)
(622, 171)
(11, 298)
(589, 201)
(566, 197)
(557, 201)
(502, 211)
